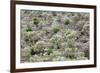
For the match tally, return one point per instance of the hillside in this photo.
(54, 36)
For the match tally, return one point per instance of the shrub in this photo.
(49, 51)
(67, 22)
(56, 41)
(27, 35)
(74, 54)
(25, 54)
(71, 50)
(35, 21)
(29, 28)
(70, 34)
(67, 31)
(26, 39)
(54, 13)
(69, 37)
(39, 46)
(85, 29)
(71, 43)
(86, 53)
(55, 30)
(31, 37)
(33, 52)
(71, 53)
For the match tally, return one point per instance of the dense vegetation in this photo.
(54, 36)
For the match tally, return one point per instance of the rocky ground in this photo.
(54, 36)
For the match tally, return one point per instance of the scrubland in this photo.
(54, 36)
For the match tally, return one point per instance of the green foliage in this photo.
(49, 51)
(25, 54)
(85, 29)
(39, 46)
(72, 56)
(32, 52)
(70, 32)
(28, 38)
(70, 35)
(71, 50)
(56, 40)
(54, 14)
(86, 53)
(35, 21)
(67, 22)
(29, 28)
(54, 36)
(71, 53)
(71, 43)
(74, 53)
(55, 30)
